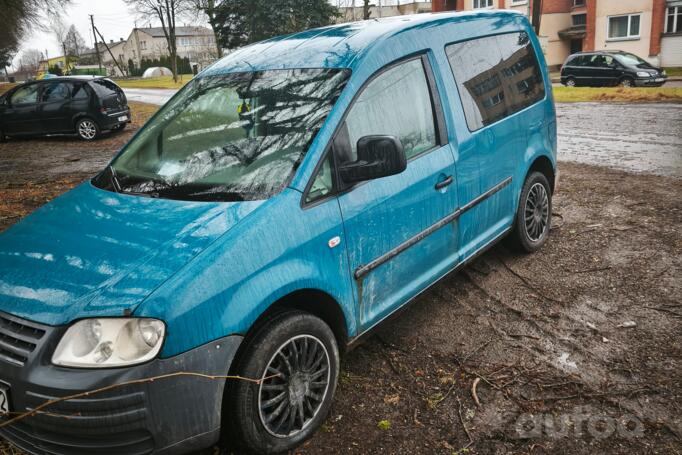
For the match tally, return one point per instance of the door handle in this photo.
(442, 184)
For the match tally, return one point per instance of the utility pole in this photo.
(99, 60)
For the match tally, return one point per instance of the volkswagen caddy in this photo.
(286, 201)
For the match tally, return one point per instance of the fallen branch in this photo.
(473, 392)
(466, 430)
(528, 283)
(39, 409)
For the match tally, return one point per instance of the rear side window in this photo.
(55, 91)
(80, 92)
(496, 77)
(105, 88)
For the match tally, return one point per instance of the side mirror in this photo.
(378, 156)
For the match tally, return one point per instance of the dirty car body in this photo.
(290, 198)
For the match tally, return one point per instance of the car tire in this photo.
(627, 82)
(87, 129)
(533, 215)
(281, 412)
(570, 82)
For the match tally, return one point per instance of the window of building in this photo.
(673, 22)
(519, 2)
(578, 3)
(143, 45)
(623, 27)
(483, 4)
(579, 20)
(397, 103)
(496, 76)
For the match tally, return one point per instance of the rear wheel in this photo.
(296, 357)
(570, 82)
(533, 216)
(627, 82)
(87, 129)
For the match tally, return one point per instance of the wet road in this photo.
(632, 137)
(149, 95)
(645, 137)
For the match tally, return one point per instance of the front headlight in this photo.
(643, 74)
(110, 342)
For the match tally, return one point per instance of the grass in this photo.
(617, 94)
(141, 112)
(155, 82)
(677, 71)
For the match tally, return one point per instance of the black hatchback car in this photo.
(596, 69)
(84, 105)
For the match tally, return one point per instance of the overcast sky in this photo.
(114, 20)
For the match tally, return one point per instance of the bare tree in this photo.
(366, 13)
(209, 8)
(74, 42)
(166, 11)
(536, 15)
(30, 60)
(20, 15)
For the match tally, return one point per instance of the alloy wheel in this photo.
(87, 129)
(570, 83)
(626, 83)
(536, 212)
(294, 386)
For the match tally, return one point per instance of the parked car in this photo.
(82, 105)
(277, 209)
(610, 68)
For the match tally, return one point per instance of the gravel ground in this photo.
(540, 336)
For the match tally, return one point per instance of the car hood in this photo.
(91, 252)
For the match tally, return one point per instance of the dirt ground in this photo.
(543, 338)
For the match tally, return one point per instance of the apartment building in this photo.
(378, 9)
(651, 29)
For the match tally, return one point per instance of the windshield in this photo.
(231, 137)
(630, 59)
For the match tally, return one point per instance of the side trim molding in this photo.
(365, 269)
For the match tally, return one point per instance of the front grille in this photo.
(18, 339)
(107, 424)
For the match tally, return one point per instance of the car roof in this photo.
(345, 45)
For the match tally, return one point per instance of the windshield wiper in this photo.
(114, 179)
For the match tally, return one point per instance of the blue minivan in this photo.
(286, 201)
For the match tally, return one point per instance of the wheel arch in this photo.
(314, 301)
(543, 165)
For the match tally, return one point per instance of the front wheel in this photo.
(570, 82)
(627, 82)
(87, 129)
(296, 358)
(533, 216)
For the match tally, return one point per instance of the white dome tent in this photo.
(156, 71)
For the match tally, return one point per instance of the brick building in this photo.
(651, 29)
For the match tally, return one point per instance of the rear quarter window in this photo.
(496, 76)
(105, 88)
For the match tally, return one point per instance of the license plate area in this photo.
(123, 118)
(4, 401)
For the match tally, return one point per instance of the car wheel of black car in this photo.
(87, 129)
(570, 82)
(296, 357)
(533, 216)
(627, 82)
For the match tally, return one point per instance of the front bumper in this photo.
(650, 81)
(168, 415)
